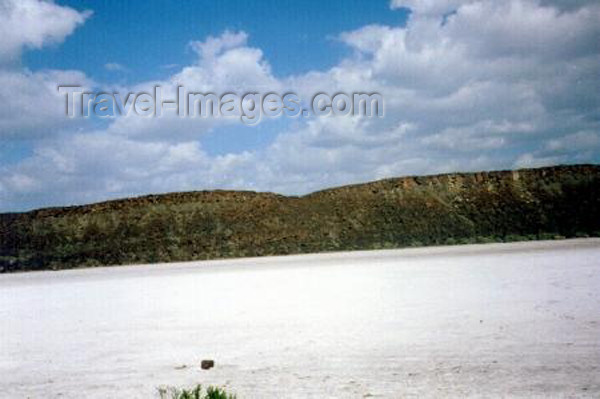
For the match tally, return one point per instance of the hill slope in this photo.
(407, 211)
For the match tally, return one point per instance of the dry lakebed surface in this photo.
(497, 320)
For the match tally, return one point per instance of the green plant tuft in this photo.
(196, 392)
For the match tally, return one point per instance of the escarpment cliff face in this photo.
(562, 201)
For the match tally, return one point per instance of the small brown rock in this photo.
(207, 364)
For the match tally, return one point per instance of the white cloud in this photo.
(439, 8)
(429, 7)
(225, 64)
(529, 160)
(580, 141)
(114, 67)
(524, 29)
(214, 46)
(33, 24)
(31, 105)
(479, 92)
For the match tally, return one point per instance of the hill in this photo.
(553, 202)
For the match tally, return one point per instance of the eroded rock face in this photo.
(391, 213)
(207, 364)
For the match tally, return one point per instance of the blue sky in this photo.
(468, 85)
(150, 37)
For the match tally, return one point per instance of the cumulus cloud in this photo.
(429, 7)
(489, 88)
(214, 46)
(225, 64)
(87, 167)
(114, 66)
(31, 105)
(33, 24)
(439, 8)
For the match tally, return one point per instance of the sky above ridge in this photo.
(467, 85)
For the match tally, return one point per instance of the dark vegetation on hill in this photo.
(562, 201)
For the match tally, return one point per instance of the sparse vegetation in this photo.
(196, 392)
(546, 203)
